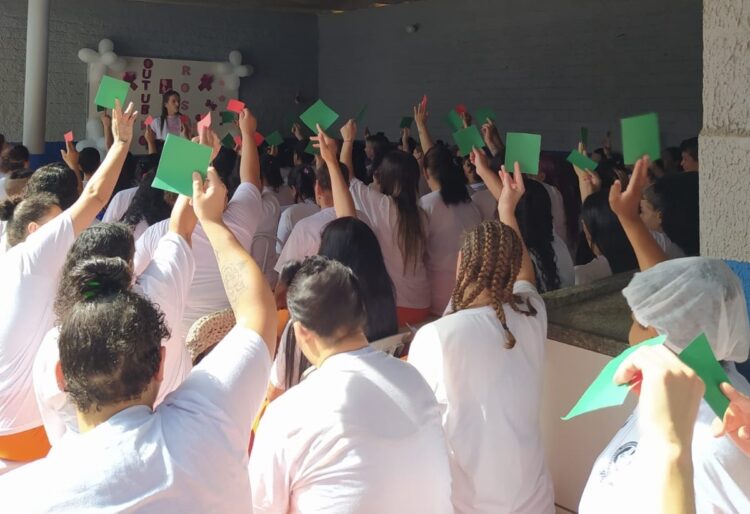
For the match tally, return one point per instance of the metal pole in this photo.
(35, 90)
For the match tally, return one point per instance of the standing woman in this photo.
(398, 222)
(489, 390)
(29, 274)
(171, 121)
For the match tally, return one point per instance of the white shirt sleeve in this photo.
(44, 251)
(270, 479)
(426, 354)
(145, 246)
(244, 213)
(285, 228)
(297, 247)
(374, 204)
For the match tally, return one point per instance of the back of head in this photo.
(224, 162)
(100, 240)
(17, 157)
(15, 183)
(148, 204)
(321, 286)
(352, 243)
(683, 298)
(20, 212)
(89, 160)
(304, 182)
(56, 179)
(380, 147)
(440, 165)
(490, 262)
(270, 172)
(110, 339)
(300, 153)
(607, 233)
(534, 214)
(677, 198)
(690, 147)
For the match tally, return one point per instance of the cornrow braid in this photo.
(490, 261)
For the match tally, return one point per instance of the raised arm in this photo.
(249, 160)
(343, 202)
(150, 137)
(182, 221)
(513, 190)
(625, 204)
(348, 134)
(420, 117)
(98, 190)
(491, 179)
(246, 287)
(71, 157)
(588, 180)
(109, 138)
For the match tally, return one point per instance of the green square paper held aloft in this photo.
(274, 138)
(640, 136)
(468, 138)
(361, 114)
(576, 158)
(109, 90)
(179, 159)
(603, 392)
(319, 114)
(483, 114)
(453, 119)
(524, 149)
(227, 116)
(699, 356)
(406, 122)
(228, 141)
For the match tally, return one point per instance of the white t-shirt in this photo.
(485, 202)
(172, 126)
(290, 217)
(411, 285)
(672, 250)
(304, 240)
(188, 456)
(119, 205)
(595, 270)
(284, 195)
(558, 212)
(446, 227)
(264, 249)
(165, 282)
(721, 472)
(29, 274)
(207, 294)
(490, 398)
(362, 434)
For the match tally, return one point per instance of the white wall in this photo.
(548, 66)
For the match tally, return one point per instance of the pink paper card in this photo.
(185, 120)
(238, 140)
(258, 137)
(424, 102)
(149, 120)
(68, 136)
(461, 109)
(205, 122)
(235, 106)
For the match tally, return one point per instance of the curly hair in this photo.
(490, 261)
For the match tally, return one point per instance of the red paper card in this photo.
(68, 136)
(149, 120)
(424, 102)
(205, 122)
(461, 109)
(238, 140)
(185, 120)
(235, 106)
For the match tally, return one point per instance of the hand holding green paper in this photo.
(179, 159)
(319, 114)
(524, 149)
(640, 136)
(581, 161)
(111, 89)
(468, 138)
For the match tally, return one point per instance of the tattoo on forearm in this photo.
(235, 277)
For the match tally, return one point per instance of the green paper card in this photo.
(361, 114)
(640, 136)
(319, 113)
(576, 158)
(468, 138)
(699, 356)
(454, 120)
(311, 149)
(524, 149)
(603, 392)
(274, 138)
(99, 108)
(179, 159)
(109, 90)
(585, 136)
(228, 141)
(482, 115)
(227, 116)
(406, 122)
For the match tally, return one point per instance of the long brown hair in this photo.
(399, 177)
(490, 261)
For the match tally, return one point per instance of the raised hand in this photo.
(349, 131)
(248, 123)
(122, 122)
(626, 203)
(420, 114)
(150, 135)
(297, 131)
(70, 155)
(208, 137)
(106, 119)
(736, 422)
(327, 145)
(512, 192)
(209, 197)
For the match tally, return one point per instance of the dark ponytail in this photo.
(439, 163)
(19, 213)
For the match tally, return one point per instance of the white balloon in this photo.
(94, 129)
(109, 58)
(235, 57)
(106, 45)
(231, 82)
(250, 70)
(88, 55)
(241, 71)
(101, 145)
(118, 65)
(97, 70)
(86, 143)
(224, 68)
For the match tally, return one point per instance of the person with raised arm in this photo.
(189, 454)
(420, 117)
(29, 273)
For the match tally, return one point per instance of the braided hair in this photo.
(490, 261)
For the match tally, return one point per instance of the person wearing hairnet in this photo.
(681, 299)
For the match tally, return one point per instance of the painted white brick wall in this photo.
(546, 66)
(281, 47)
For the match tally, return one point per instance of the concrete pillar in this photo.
(724, 143)
(35, 90)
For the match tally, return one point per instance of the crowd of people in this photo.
(321, 259)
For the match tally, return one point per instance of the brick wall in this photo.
(548, 66)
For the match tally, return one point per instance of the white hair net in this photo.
(683, 298)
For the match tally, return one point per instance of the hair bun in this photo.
(101, 276)
(8, 207)
(289, 271)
